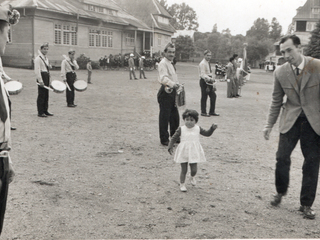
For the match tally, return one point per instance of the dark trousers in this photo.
(43, 94)
(71, 77)
(142, 73)
(207, 90)
(132, 72)
(4, 168)
(310, 147)
(168, 115)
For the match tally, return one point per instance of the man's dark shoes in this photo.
(307, 212)
(277, 199)
(48, 114)
(71, 105)
(214, 114)
(42, 115)
(205, 115)
(165, 143)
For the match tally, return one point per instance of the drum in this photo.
(13, 87)
(58, 86)
(80, 85)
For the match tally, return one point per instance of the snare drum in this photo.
(80, 85)
(58, 86)
(13, 87)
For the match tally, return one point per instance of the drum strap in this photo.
(71, 65)
(45, 63)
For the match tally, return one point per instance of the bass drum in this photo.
(80, 85)
(13, 87)
(58, 86)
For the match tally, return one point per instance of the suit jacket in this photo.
(305, 98)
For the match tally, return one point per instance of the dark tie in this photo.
(297, 71)
(3, 110)
(210, 67)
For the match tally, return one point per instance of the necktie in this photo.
(210, 68)
(297, 71)
(3, 110)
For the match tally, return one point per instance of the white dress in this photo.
(189, 149)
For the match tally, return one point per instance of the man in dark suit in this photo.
(299, 81)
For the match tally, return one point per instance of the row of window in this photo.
(67, 35)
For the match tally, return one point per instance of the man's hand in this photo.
(65, 80)
(266, 132)
(170, 150)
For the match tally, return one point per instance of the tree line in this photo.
(260, 37)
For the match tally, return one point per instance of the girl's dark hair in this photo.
(191, 113)
(231, 59)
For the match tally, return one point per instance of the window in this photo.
(57, 34)
(100, 38)
(301, 26)
(159, 40)
(98, 9)
(130, 39)
(315, 10)
(163, 20)
(110, 39)
(74, 38)
(65, 34)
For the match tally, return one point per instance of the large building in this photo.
(92, 27)
(306, 19)
(156, 18)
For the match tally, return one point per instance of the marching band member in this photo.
(141, 67)
(68, 67)
(7, 17)
(41, 69)
(132, 67)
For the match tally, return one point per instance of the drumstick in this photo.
(68, 86)
(47, 88)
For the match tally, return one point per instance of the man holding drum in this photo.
(68, 67)
(7, 17)
(41, 69)
(207, 85)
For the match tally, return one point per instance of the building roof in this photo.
(305, 12)
(76, 7)
(147, 11)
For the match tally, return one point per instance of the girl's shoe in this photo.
(183, 187)
(193, 181)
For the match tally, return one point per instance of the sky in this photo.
(239, 15)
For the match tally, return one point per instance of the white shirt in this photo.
(40, 66)
(204, 70)
(66, 67)
(167, 73)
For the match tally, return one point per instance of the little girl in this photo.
(189, 150)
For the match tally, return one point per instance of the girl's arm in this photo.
(174, 138)
(208, 133)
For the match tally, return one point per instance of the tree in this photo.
(259, 30)
(184, 47)
(215, 28)
(275, 30)
(313, 47)
(183, 17)
(258, 50)
(164, 4)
